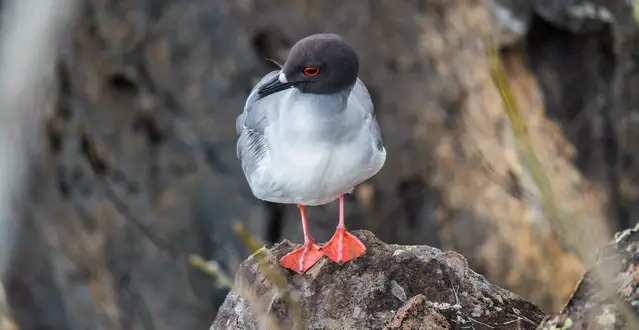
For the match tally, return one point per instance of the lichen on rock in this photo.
(590, 307)
(391, 287)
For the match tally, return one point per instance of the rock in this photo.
(391, 287)
(155, 86)
(513, 18)
(586, 15)
(590, 306)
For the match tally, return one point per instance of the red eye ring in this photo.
(311, 71)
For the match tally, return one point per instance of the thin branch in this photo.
(271, 273)
(210, 268)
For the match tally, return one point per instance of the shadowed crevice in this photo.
(275, 220)
(576, 73)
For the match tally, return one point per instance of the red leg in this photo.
(344, 246)
(303, 258)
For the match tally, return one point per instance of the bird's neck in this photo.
(329, 103)
(315, 117)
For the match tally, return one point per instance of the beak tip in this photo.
(273, 86)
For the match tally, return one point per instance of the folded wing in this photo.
(250, 125)
(361, 98)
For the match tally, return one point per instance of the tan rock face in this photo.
(146, 103)
(391, 287)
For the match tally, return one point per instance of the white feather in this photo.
(318, 147)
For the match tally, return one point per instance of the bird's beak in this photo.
(277, 84)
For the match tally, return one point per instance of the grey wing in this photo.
(253, 116)
(363, 98)
(251, 149)
(360, 93)
(250, 125)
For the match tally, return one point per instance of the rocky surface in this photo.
(391, 287)
(147, 94)
(591, 306)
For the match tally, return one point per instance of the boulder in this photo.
(590, 306)
(391, 287)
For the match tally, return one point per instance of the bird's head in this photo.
(318, 64)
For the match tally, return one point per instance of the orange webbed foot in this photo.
(343, 247)
(303, 258)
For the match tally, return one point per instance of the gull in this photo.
(307, 136)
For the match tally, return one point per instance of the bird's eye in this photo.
(311, 72)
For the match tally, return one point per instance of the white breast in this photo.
(315, 154)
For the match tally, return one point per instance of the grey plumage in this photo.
(249, 125)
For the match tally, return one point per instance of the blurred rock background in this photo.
(144, 109)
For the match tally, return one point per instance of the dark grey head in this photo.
(318, 64)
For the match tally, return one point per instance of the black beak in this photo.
(273, 86)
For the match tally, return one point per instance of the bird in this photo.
(308, 135)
